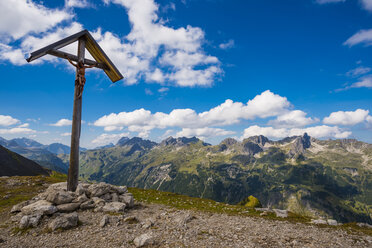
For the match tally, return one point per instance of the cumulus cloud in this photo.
(62, 123)
(17, 130)
(361, 37)
(181, 61)
(295, 118)
(24, 125)
(203, 133)
(152, 51)
(65, 134)
(347, 118)
(266, 104)
(6, 120)
(105, 138)
(316, 132)
(21, 17)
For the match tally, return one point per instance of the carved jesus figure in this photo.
(80, 80)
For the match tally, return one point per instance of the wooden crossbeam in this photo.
(72, 57)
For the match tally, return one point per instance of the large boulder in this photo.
(18, 207)
(59, 196)
(127, 199)
(68, 207)
(41, 207)
(64, 221)
(114, 207)
(96, 190)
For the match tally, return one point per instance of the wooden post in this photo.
(73, 171)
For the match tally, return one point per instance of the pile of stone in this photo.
(61, 205)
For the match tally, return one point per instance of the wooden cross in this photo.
(85, 40)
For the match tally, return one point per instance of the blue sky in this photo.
(211, 69)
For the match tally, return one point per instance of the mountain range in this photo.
(330, 178)
(316, 178)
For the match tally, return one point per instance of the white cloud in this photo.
(295, 118)
(227, 45)
(6, 120)
(358, 71)
(159, 53)
(361, 37)
(365, 82)
(24, 125)
(17, 130)
(266, 104)
(65, 134)
(77, 3)
(346, 118)
(62, 123)
(148, 92)
(316, 132)
(21, 17)
(329, 1)
(367, 4)
(105, 138)
(163, 90)
(203, 133)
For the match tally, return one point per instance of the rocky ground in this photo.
(157, 225)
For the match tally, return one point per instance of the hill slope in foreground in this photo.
(13, 164)
(170, 220)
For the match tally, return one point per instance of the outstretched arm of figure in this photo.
(88, 66)
(71, 62)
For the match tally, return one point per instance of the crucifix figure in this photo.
(85, 41)
(80, 75)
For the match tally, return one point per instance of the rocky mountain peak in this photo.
(122, 141)
(300, 144)
(259, 139)
(181, 141)
(138, 142)
(229, 141)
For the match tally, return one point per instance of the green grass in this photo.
(178, 201)
(23, 188)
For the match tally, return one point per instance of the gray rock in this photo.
(19, 206)
(58, 186)
(148, 223)
(40, 207)
(114, 197)
(281, 213)
(121, 190)
(104, 221)
(80, 189)
(64, 221)
(68, 207)
(98, 202)
(24, 222)
(144, 239)
(80, 199)
(319, 222)
(87, 205)
(106, 197)
(96, 190)
(128, 199)
(115, 207)
(332, 222)
(59, 196)
(34, 221)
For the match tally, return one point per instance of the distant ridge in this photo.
(13, 164)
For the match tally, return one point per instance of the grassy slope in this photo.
(17, 189)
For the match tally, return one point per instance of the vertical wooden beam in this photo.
(73, 170)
